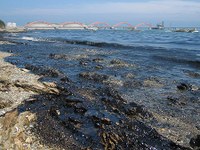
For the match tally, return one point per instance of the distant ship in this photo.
(159, 26)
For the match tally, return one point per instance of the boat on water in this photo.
(160, 26)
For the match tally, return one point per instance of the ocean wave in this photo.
(77, 42)
(100, 44)
(184, 42)
(29, 38)
(91, 43)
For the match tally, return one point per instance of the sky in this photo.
(173, 12)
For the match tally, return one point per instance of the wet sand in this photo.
(47, 115)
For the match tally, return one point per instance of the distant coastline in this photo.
(42, 25)
(13, 30)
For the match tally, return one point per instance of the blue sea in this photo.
(170, 51)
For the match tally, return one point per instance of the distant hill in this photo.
(2, 24)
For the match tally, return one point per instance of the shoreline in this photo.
(18, 80)
(22, 89)
(17, 86)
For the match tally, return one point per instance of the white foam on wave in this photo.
(29, 38)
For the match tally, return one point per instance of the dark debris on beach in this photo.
(95, 115)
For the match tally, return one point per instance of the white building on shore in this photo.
(11, 25)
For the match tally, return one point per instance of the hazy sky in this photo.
(173, 12)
